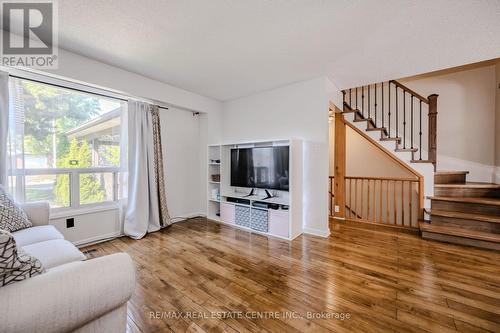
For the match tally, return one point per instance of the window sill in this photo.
(59, 213)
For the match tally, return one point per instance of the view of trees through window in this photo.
(56, 128)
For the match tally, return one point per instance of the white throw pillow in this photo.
(12, 217)
(15, 264)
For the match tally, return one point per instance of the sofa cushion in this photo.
(15, 264)
(54, 252)
(36, 235)
(12, 217)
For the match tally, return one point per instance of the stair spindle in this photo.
(343, 100)
(350, 97)
(363, 101)
(404, 119)
(376, 105)
(382, 104)
(369, 104)
(420, 131)
(397, 113)
(356, 98)
(411, 123)
(389, 107)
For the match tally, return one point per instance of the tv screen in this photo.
(262, 167)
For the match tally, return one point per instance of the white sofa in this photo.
(74, 294)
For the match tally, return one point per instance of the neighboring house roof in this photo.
(97, 126)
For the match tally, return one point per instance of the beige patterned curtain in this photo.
(146, 209)
(158, 167)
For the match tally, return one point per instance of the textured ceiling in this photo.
(231, 48)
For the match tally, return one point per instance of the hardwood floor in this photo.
(384, 280)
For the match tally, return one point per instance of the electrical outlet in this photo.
(337, 209)
(70, 223)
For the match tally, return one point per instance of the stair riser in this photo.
(468, 192)
(466, 224)
(460, 240)
(465, 207)
(450, 179)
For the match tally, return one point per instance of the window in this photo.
(64, 145)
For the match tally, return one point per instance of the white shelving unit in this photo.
(213, 187)
(282, 223)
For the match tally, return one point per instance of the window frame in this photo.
(74, 185)
(73, 173)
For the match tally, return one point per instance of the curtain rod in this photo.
(76, 89)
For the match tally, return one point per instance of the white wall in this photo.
(181, 150)
(466, 118)
(364, 159)
(298, 110)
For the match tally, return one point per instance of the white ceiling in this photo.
(231, 48)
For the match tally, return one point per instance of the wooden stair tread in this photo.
(441, 172)
(421, 161)
(411, 150)
(382, 130)
(465, 216)
(460, 232)
(362, 119)
(469, 185)
(376, 129)
(474, 200)
(391, 139)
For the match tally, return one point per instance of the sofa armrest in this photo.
(68, 296)
(38, 212)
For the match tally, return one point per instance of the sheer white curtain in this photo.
(4, 122)
(146, 209)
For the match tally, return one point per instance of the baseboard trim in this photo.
(317, 232)
(98, 239)
(185, 217)
(376, 226)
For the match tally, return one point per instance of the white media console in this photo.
(284, 222)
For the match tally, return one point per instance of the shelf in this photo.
(255, 207)
(283, 219)
(279, 201)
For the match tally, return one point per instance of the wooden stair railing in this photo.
(384, 200)
(398, 113)
(381, 200)
(331, 193)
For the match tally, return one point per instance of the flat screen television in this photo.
(261, 167)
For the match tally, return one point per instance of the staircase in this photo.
(405, 124)
(401, 120)
(462, 212)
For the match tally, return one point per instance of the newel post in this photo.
(433, 129)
